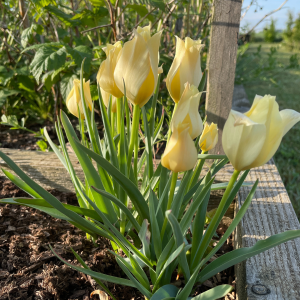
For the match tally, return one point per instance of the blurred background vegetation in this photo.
(43, 42)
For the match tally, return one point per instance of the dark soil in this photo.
(29, 270)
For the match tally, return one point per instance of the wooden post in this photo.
(221, 62)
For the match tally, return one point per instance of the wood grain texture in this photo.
(221, 63)
(275, 273)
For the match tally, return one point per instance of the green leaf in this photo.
(202, 82)
(236, 256)
(79, 53)
(46, 59)
(223, 185)
(211, 156)
(179, 240)
(132, 191)
(168, 290)
(170, 259)
(4, 93)
(97, 275)
(62, 16)
(91, 174)
(52, 200)
(97, 280)
(214, 293)
(129, 215)
(234, 223)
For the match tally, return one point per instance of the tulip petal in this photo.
(289, 118)
(180, 154)
(133, 67)
(242, 140)
(267, 112)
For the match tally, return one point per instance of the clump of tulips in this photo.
(142, 209)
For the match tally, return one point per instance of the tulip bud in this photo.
(138, 66)
(106, 97)
(251, 139)
(105, 76)
(74, 100)
(187, 111)
(185, 67)
(180, 154)
(209, 137)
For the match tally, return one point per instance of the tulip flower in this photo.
(138, 66)
(185, 67)
(105, 76)
(209, 137)
(187, 111)
(106, 97)
(251, 139)
(74, 100)
(180, 154)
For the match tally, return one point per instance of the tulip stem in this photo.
(170, 130)
(113, 121)
(134, 134)
(170, 200)
(197, 172)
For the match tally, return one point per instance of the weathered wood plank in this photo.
(273, 274)
(221, 62)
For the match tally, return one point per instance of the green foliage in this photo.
(270, 32)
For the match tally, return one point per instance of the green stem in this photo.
(136, 152)
(196, 173)
(113, 121)
(170, 200)
(170, 131)
(196, 257)
(134, 133)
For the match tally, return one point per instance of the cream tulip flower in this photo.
(185, 67)
(106, 97)
(180, 154)
(105, 76)
(251, 139)
(209, 137)
(74, 100)
(138, 66)
(187, 111)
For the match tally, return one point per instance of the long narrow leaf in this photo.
(214, 293)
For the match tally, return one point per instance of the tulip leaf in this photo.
(21, 184)
(179, 240)
(94, 274)
(91, 174)
(148, 144)
(203, 81)
(52, 200)
(168, 261)
(121, 206)
(214, 293)
(236, 256)
(211, 156)
(234, 223)
(211, 229)
(223, 185)
(103, 286)
(137, 271)
(168, 290)
(132, 191)
(155, 229)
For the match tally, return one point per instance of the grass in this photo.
(284, 83)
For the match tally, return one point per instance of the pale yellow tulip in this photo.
(106, 97)
(180, 154)
(187, 111)
(185, 67)
(105, 76)
(209, 137)
(74, 100)
(138, 66)
(251, 139)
